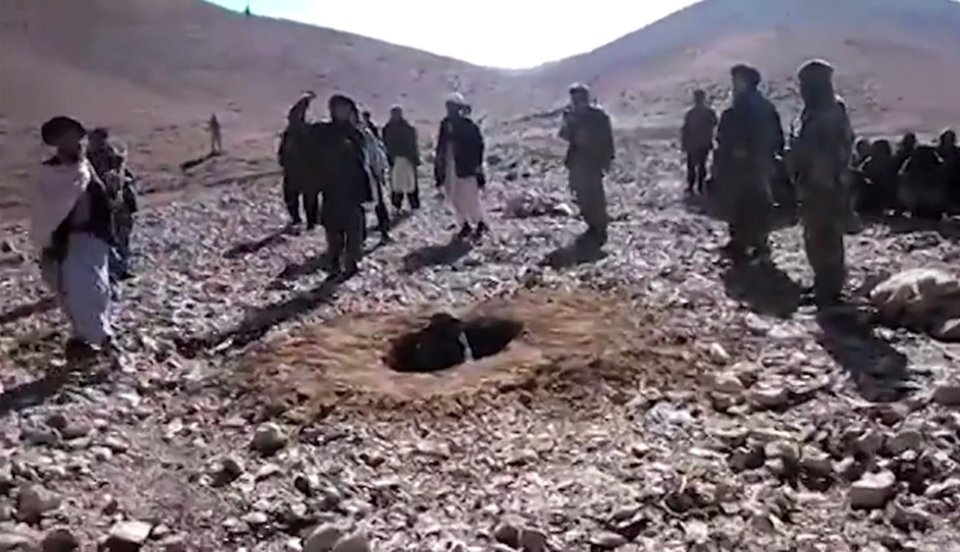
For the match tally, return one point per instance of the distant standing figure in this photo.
(590, 152)
(459, 167)
(922, 187)
(749, 138)
(879, 191)
(950, 153)
(908, 144)
(823, 146)
(696, 140)
(403, 153)
(71, 227)
(216, 136)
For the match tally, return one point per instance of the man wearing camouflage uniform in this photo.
(590, 152)
(749, 138)
(823, 146)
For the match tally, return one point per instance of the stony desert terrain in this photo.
(657, 398)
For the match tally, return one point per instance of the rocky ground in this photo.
(701, 409)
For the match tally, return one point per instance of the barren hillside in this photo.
(896, 59)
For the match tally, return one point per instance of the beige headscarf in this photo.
(57, 190)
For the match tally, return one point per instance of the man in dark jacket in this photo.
(339, 149)
(950, 153)
(696, 140)
(459, 167)
(403, 153)
(749, 138)
(110, 164)
(299, 172)
(590, 152)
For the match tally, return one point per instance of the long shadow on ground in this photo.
(40, 305)
(42, 389)
(879, 370)
(763, 287)
(580, 251)
(259, 321)
(435, 255)
(245, 248)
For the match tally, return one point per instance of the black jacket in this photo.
(468, 146)
(338, 150)
(750, 131)
(400, 138)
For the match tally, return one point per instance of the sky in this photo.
(513, 34)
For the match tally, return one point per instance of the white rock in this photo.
(129, 533)
(727, 383)
(764, 398)
(873, 490)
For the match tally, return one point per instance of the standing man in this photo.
(459, 167)
(403, 153)
(110, 164)
(296, 158)
(375, 161)
(590, 152)
(216, 138)
(824, 147)
(696, 140)
(749, 138)
(339, 148)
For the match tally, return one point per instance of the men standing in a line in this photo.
(589, 135)
(749, 138)
(216, 138)
(400, 138)
(696, 140)
(110, 164)
(339, 148)
(823, 146)
(459, 167)
(296, 158)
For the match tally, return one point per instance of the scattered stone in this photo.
(322, 538)
(18, 541)
(944, 489)
(33, 503)
(718, 354)
(747, 458)
(907, 439)
(128, 536)
(228, 470)
(60, 540)
(869, 443)
(815, 463)
(873, 490)
(768, 398)
(508, 534)
(947, 394)
(727, 383)
(269, 439)
(532, 540)
(358, 542)
(606, 541)
(256, 519)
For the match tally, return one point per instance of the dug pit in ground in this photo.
(555, 344)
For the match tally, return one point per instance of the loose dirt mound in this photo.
(571, 345)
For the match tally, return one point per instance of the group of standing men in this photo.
(750, 150)
(339, 166)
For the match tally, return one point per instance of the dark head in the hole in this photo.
(435, 347)
(488, 336)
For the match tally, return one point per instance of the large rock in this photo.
(873, 490)
(357, 542)
(269, 439)
(128, 536)
(322, 538)
(922, 299)
(60, 540)
(33, 503)
(947, 394)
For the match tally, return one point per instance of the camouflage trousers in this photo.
(586, 184)
(824, 213)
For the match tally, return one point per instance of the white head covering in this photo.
(456, 98)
